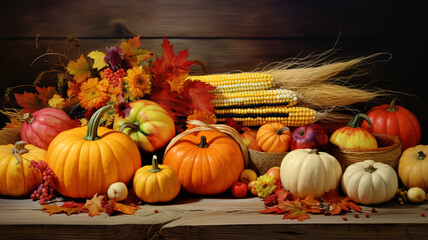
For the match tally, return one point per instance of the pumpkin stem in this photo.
(94, 122)
(279, 132)
(392, 107)
(155, 165)
(133, 126)
(28, 118)
(421, 155)
(370, 169)
(358, 119)
(203, 143)
(314, 151)
(19, 149)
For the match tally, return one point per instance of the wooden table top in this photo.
(194, 217)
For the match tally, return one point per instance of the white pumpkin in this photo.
(370, 182)
(307, 171)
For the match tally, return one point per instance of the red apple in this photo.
(239, 189)
(274, 171)
(311, 136)
(252, 187)
(248, 135)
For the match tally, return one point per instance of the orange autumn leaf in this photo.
(197, 95)
(79, 69)
(205, 117)
(94, 205)
(65, 208)
(14, 123)
(338, 203)
(295, 210)
(126, 209)
(132, 53)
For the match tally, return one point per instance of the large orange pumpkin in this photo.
(88, 159)
(274, 137)
(17, 178)
(207, 162)
(395, 120)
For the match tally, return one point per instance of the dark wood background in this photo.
(229, 35)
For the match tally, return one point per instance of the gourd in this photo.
(87, 160)
(156, 183)
(42, 126)
(353, 135)
(369, 182)
(207, 162)
(148, 124)
(273, 137)
(413, 167)
(395, 120)
(17, 178)
(310, 172)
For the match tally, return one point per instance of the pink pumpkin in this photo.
(42, 126)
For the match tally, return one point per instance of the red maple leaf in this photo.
(32, 102)
(170, 101)
(46, 93)
(338, 203)
(196, 95)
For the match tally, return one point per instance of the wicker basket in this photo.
(260, 162)
(388, 151)
(10, 135)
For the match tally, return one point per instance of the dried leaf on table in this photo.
(67, 208)
(94, 205)
(337, 203)
(126, 209)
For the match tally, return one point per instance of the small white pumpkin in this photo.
(117, 191)
(370, 182)
(307, 171)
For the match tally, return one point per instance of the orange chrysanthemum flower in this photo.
(138, 82)
(94, 94)
(205, 117)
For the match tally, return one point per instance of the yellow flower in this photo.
(265, 185)
(93, 93)
(56, 101)
(138, 81)
(205, 117)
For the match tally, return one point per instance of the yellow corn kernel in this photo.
(236, 82)
(250, 99)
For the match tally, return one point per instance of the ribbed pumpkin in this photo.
(307, 171)
(413, 167)
(42, 126)
(353, 135)
(156, 183)
(148, 124)
(88, 159)
(395, 120)
(207, 162)
(17, 178)
(273, 137)
(369, 182)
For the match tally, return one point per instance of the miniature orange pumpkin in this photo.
(17, 178)
(207, 162)
(156, 183)
(274, 137)
(89, 164)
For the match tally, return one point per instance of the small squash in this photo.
(413, 167)
(207, 162)
(395, 120)
(274, 137)
(87, 160)
(369, 182)
(42, 126)
(353, 135)
(17, 178)
(307, 171)
(156, 183)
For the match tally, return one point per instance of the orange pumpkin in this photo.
(207, 162)
(17, 178)
(89, 164)
(274, 137)
(413, 167)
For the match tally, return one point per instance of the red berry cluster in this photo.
(45, 191)
(114, 78)
(108, 207)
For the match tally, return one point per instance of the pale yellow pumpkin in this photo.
(413, 167)
(307, 171)
(369, 182)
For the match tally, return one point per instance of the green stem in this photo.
(370, 169)
(314, 151)
(421, 155)
(133, 126)
(279, 132)
(203, 143)
(94, 122)
(155, 165)
(358, 119)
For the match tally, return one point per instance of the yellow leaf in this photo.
(98, 57)
(56, 101)
(79, 69)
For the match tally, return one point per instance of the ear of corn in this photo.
(237, 82)
(289, 116)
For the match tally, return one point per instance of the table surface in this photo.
(194, 217)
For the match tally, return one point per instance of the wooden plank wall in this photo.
(228, 35)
